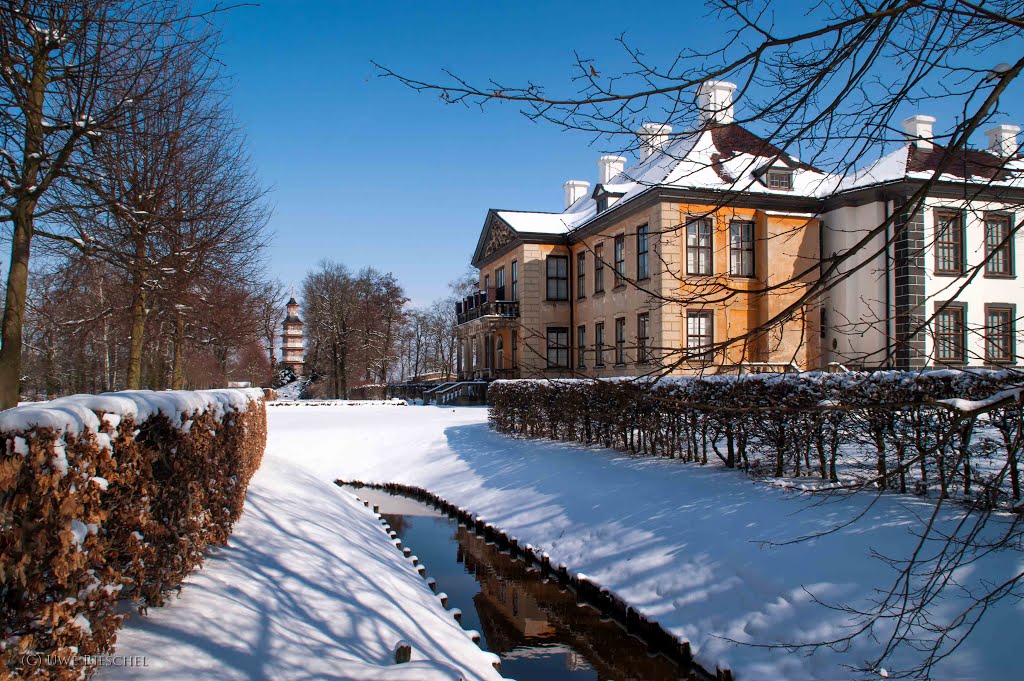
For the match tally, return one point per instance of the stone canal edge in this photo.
(601, 598)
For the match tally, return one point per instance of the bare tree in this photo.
(72, 71)
(270, 300)
(352, 323)
(176, 200)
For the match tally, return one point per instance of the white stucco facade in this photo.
(861, 309)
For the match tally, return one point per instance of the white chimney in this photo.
(714, 99)
(609, 167)
(574, 190)
(1002, 140)
(653, 137)
(919, 130)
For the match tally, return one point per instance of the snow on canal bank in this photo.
(309, 587)
(683, 544)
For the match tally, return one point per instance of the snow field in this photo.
(688, 546)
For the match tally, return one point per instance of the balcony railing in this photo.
(477, 306)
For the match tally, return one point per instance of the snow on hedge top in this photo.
(77, 413)
(961, 390)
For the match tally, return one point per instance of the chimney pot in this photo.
(919, 130)
(574, 189)
(714, 99)
(609, 167)
(653, 137)
(1002, 140)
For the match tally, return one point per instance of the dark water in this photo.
(538, 629)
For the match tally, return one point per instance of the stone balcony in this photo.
(477, 306)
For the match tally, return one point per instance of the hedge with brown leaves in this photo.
(108, 498)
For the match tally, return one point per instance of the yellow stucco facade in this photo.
(757, 322)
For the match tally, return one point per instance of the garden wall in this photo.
(891, 430)
(112, 497)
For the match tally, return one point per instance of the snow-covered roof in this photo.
(911, 162)
(534, 223)
(718, 157)
(729, 158)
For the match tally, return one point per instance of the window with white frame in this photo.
(620, 261)
(780, 179)
(698, 247)
(699, 335)
(581, 274)
(741, 249)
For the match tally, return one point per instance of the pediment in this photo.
(495, 236)
(498, 236)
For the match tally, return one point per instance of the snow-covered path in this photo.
(309, 587)
(288, 598)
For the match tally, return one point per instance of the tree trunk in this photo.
(883, 474)
(730, 461)
(966, 432)
(177, 366)
(1011, 441)
(14, 305)
(343, 363)
(21, 236)
(50, 362)
(108, 381)
(334, 370)
(780, 451)
(138, 329)
(138, 317)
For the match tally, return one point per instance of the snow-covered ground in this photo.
(292, 390)
(308, 587)
(684, 544)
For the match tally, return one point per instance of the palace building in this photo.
(700, 255)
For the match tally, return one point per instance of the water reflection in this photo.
(535, 626)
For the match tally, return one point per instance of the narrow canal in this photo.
(535, 626)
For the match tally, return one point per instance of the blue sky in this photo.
(367, 172)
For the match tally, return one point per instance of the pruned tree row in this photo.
(942, 433)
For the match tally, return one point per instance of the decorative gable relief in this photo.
(499, 235)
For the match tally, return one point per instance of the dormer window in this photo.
(780, 179)
(605, 199)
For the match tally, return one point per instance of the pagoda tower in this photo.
(292, 349)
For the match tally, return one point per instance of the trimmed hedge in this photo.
(898, 430)
(112, 497)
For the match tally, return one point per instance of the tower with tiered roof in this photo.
(292, 350)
